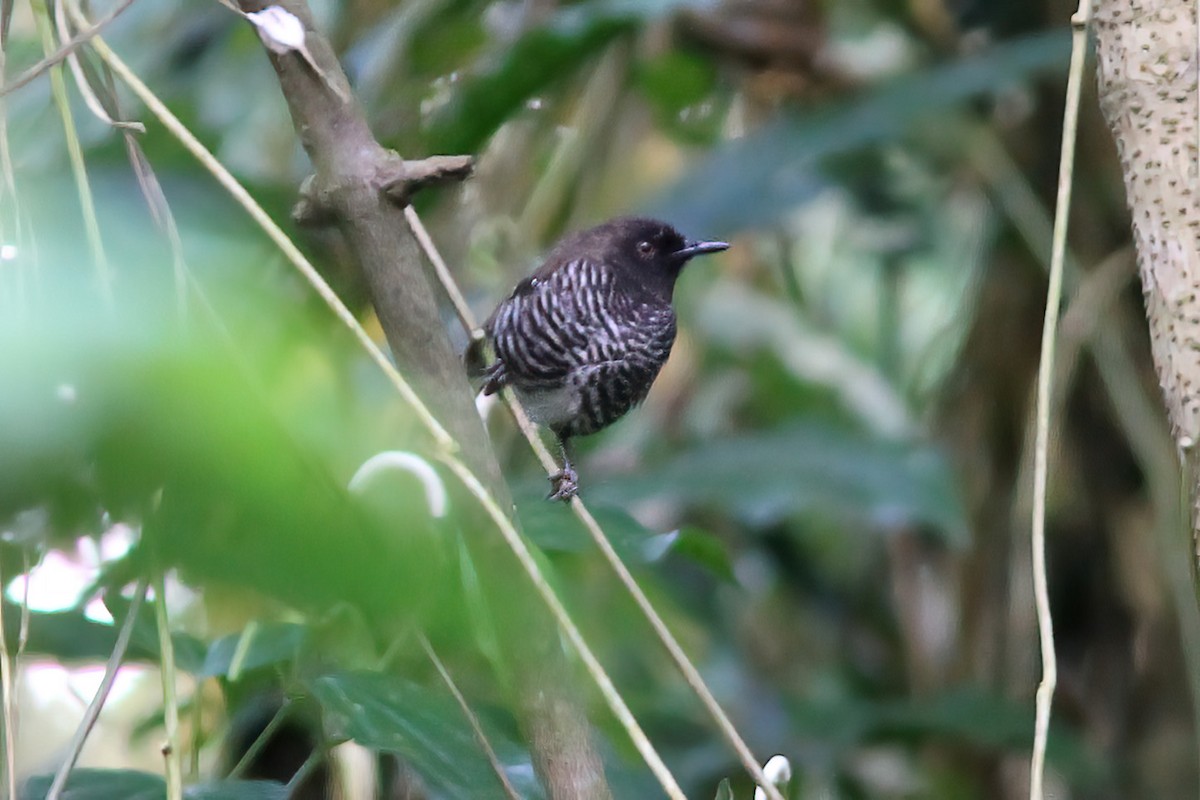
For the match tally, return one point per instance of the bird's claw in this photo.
(565, 483)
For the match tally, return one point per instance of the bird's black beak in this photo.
(693, 249)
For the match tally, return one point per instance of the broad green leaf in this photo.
(681, 86)
(753, 180)
(539, 59)
(237, 790)
(965, 716)
(100, 784)
(223, 469)
(70, 636)
(262, 645)
(189, 651)
(426, 728)
(764, 477)
(554, 528)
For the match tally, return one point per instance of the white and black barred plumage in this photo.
(582, 340)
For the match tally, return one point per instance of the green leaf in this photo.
(765, 477)
(539, 59)
(755, 179)
(99, 784)
(427, 729)
(704, 549)
(143, 643)
(102, 784)
(236, 479)
(965, 716)
(724, 790)
(237, 790)
(554, 528)
(263, 645)
(680, 87)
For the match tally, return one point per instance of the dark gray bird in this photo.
(582, 339)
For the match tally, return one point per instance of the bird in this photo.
(582, 339)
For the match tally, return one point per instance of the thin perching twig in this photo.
(473, 720)
(611, 696)
(91, 225)
(106, 683)
(170, 749)
(65, 49)
(260, 741)
(1041, 594)
(688, 670)
(7, 667)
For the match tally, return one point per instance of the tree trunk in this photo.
(1147, 64)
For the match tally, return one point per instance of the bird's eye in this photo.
(645, 248)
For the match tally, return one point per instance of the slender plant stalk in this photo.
(170, 750)
(8, 188)
(259, 742)
(473, 720)
(91, 226)
(7, 685)
(65, 49)
(275, 233)
(688, 670)
(106, 683)
(310, 763)
(81, 80)
(1045, 691)
(612, 697)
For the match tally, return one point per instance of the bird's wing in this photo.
(557, 321)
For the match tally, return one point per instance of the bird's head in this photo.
(654, 246)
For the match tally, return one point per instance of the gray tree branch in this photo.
(361, 188)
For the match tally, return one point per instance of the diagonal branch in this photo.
(688, 670)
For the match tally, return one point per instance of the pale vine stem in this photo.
(1045, 691)
(91, 225)
(689, 672)
(446, 443)
(472, 720)
(1132, 403)
(12, 714)
(106, 683)
(170, 748)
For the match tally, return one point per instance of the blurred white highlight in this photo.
(779, 772)
(389, 460)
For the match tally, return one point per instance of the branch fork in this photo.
(398, 179)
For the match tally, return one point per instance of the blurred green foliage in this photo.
(794, 496)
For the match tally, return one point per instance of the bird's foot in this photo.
(565, 484)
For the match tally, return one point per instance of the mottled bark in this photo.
(1147, 64)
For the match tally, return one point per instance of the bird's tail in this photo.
(475, 357)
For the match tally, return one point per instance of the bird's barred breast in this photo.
(579, 351)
